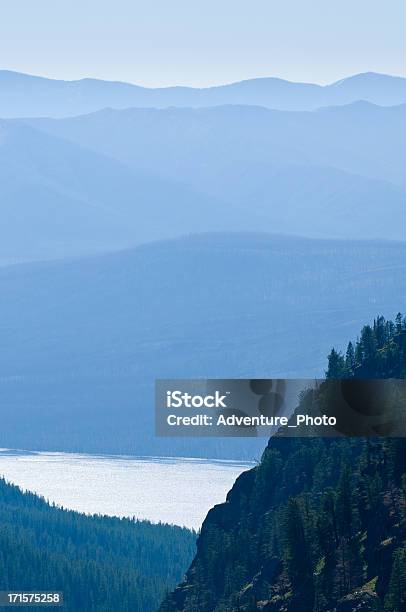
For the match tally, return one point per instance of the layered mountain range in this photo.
(84, 340)
(118, 178)
(24, 95)
(122, 196)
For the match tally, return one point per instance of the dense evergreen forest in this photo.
(379, 352)
(100, 563)
(320, 524)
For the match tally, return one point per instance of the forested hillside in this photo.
(84, 340)
(320, 524)
(100, 563)
(379, 352)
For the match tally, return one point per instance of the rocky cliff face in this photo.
(318, 526)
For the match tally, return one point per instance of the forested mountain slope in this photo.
(100, 563)
(84, 340)
(318, 526)
(379, 352)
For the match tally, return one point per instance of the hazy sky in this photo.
(202, 42)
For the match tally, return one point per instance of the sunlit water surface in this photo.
(170, 490)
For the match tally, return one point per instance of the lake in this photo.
(170, 490)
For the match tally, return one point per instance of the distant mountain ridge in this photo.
(114, 178)
(83, 340)
(23, 95)
(118, 178)
(332, 173)
(60, 199)
(185, 143)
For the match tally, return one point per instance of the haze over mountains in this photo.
(84, 340)
(58, 199)
(111, 179)
(23, 95)
(117, 178)
(360, 138)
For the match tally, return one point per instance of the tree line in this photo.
(100, 563)
(320, 524)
